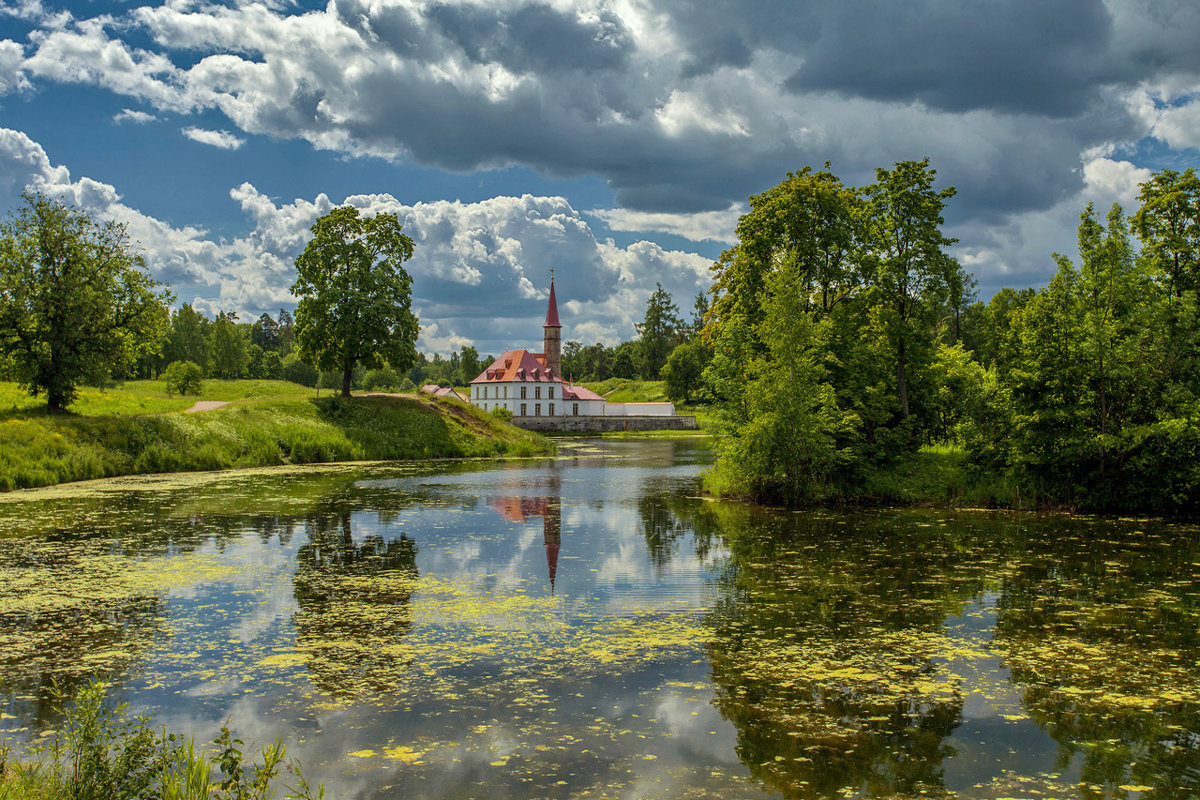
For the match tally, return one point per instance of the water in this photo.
(588, 626)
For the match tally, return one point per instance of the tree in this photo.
(468, 364)
(227, 348)
(188, 337)
(183, 377)
(907, 268)
(355, 295)
(1168, 223)
(684, 368)
(624, 361)
(75, 301)
(658, 333)
(265, 333)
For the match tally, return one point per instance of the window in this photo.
(575, 409)
(505, 392)
(537, 392)
(522, 409)
(552, 409)
(523, 388)
(551, 395)
(537, 409)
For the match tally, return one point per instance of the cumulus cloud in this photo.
(136, 117)
(480, 271)
(222, 139)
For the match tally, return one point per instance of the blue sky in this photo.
(612, 140)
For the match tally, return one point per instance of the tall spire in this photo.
(552, 335)
(552, 307)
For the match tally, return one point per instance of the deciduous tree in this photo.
(76, 301)
(355, 295)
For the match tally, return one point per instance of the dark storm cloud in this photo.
(532, 38)
(1020, 56)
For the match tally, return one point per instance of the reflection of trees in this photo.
(1100, 624)
(668, 518)
(828, 644)
(353, 606)
(66, 615)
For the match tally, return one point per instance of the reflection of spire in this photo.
(552, 534)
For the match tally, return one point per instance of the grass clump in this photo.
(100, 753)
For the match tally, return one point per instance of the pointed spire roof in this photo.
(552, 310)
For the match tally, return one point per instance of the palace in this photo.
(531, 384)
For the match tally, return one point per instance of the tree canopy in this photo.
(355, 295)
(76, 301)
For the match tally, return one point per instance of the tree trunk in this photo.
(346, 374)
(901, 382)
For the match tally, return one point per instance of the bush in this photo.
(501, 413)
(297, 371)
(385, 378)
(183, 377)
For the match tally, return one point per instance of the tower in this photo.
(552, 336)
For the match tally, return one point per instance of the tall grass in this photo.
(100, 753)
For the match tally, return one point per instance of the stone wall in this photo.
(582, 424)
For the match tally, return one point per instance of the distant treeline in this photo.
(843, 337)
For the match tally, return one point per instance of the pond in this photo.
(589, 626)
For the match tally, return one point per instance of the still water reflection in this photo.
(589, 627)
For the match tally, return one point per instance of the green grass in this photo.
(146, 397)
(625, 390)
(44, 449)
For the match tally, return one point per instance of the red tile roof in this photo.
(518, 365)
(573, 392)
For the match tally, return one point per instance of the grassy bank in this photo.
(148, 397)
(41, 449)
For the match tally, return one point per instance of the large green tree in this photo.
(228, 352)
(76, 301)
(355, 295)
(1168, 223)
(908, 270)
(188, 338)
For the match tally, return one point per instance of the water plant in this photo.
(99, 752)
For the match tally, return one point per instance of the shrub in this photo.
(502, 414)
(297, 371)
(183, 377)
(385, 378)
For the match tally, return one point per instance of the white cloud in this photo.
(222, 139)
(12, 75)
(703, 226)
(136, 117)
(480, 270)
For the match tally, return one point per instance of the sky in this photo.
(613, 141)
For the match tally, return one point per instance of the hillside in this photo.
(41, 449)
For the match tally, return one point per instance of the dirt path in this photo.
(206, 405)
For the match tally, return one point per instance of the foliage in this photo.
(76, 303)
(296, 371)
(1168, 223)
(355, 295)
(382, 378)
(99, 753)
(501, 413)
(658, 333)
(684, 370)
(228, 352)
(188, 337)
(183, 377)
